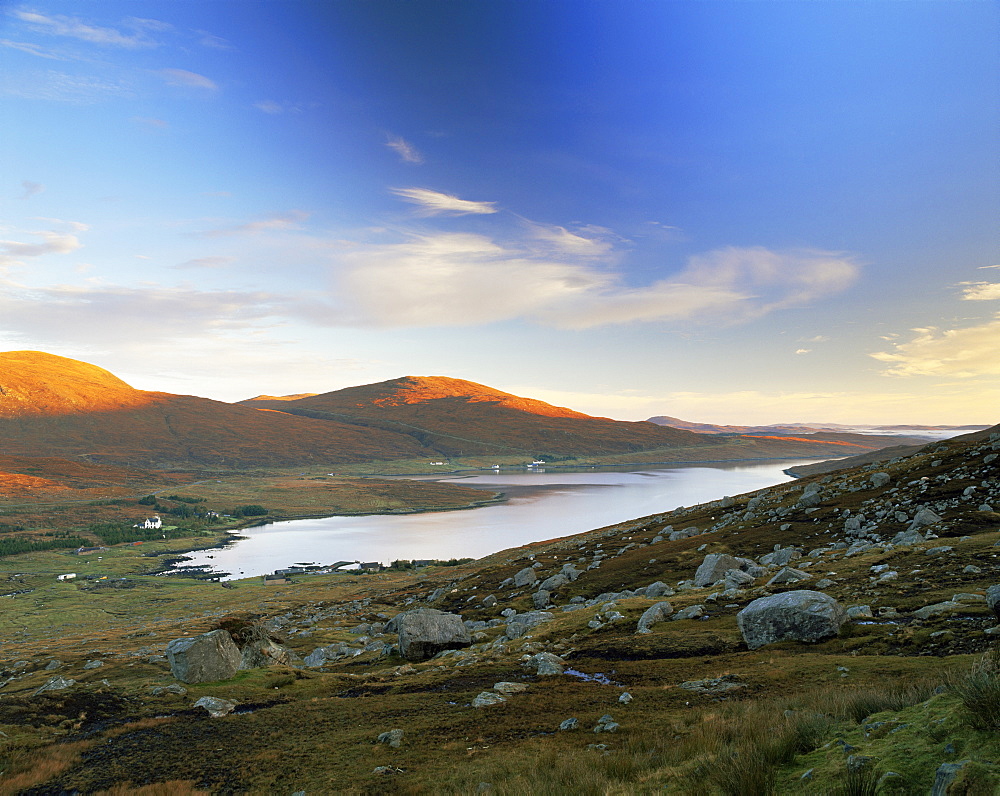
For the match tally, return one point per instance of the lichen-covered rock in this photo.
(993, 599)
(800, 615)
(216, 706)
(486, 699)
(519, 624)
(205, 658)
(713, 568)
(526, 577)
(425, 632)
(652, 615)
(258, 654)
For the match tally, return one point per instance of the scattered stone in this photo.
(486, 699)
(520, 624)
(393, 738)
(715, 685)
(714, 567)
(541, 599)
(216, 706)
(53, 665)
(546, 664)
(925, 516)
(507, 688)
(203, 659)
(945, 775)
(655, 613)
(799, 615)
(625, 698)
(788, 575)
(691, 612)
(879, 480)
(936, 609)
(489, 601)
(936, 551)
(860, 612)
(606, 724)
(569, 724)
(258, 654)
(54, 684)
(425, 632)
(526, 577)
(93, 664)
(658, 589)
(553, 582)
(173, 688)
(993, 599)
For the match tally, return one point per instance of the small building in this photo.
(276, 579)
(150, 523)
(370, 566)
(83, 551)
(67, 576)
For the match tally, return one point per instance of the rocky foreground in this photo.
(788, 640)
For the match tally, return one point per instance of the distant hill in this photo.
(912, 431)
(457, 417)
(54, 406)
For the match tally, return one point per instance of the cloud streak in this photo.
(14, 252)
(76, 28)
(406, 151)
(182, 78)
(432, 203)
(277, 223)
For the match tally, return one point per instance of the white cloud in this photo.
(184, 79)
(434, 203)
(55, 86)
(958, 353)
(31, 188)
(458, 279)
(32, 49)
(76, 28)
(213, 42)
(981, 291)
(12, 252)
(561, 240)
(803, 351)
(406, 151)
(284, 221)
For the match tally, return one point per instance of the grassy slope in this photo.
(315, 730)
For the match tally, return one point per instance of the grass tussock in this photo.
(24, 767)
(859, 703)
(979, 690)
(174, 788)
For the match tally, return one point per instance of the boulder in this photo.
(652, 615)
(554, 582)
(205, 658)
(541, 598)
(54, 684)
(879, 479)
(425, 632)
(258, 654)
(713, 568)
(657, 589)
(393, 738)
(216, 706)
(691, 612)
(526, 577)
(519, 624)
(788, 575)
(800, 615)
(924, 517)
(738, 579)
(487, 698)
(993, 599)
(781, 557)
(545, 664)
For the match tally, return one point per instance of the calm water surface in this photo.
(540, 505)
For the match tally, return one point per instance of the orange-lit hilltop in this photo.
(54, 406)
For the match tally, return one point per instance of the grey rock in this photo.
(546, 664)
(738, 579)
(425, 632)
(526, 577)
(993, 599)
(216, 706)
(860, 612)
(258, 654)
(173, 688)
(606, 724)
(93, 664)
(691, 612)
(657, 589)
(924, 517)
(936, 551)
(553, 582)
(781, 557)
(714, 567)
(936, 609)
(54, 684)
(569, 724)
(393, 738)
(203, 659)
(570, 571)
(800, 615)
(507, 688)
(824, 583)
(625, 698)
(945, 775)
(489, 601)
(907, 538)
(541, 598)
(655, 613)
(520, 624)
(52, 665)
(486, 699)
(788, 575)
(879, 480)
(715, 685)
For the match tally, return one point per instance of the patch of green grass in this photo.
(979, 691)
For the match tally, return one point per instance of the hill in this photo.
(54, 406)
(612, 661)
(462, 418)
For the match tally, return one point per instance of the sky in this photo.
(731, 212)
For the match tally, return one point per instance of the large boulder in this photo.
(525, 577)
(993, 599)
(800, 615)
(425, 632)
(259, 654)
(652, 615)
(519, 624)
(205, 658)
(714, 568)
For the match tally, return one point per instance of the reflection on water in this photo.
(541, 505)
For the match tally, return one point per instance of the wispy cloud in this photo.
(14, 252)
(406, 151)
(76, 28)
(150, 122)
(291, 220)
(269, 106)
(31, 189)
(206, 262)
(959, 353)
(981, 291)
(213, 42)
(803, 351)
(184, 79)
(32, 49)
(461, 279)
(578, 244)
(433, 203)
(52, 85)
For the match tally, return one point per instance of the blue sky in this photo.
(730, 212)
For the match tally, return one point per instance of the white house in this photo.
(150, 523)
